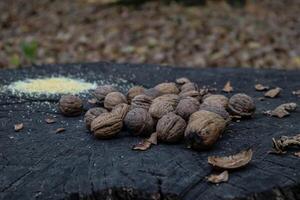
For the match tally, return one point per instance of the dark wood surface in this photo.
(36, 163)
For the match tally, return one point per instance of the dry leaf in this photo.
(233, 161)
(260, 87)
(281, 144)
(297, 154)
(218, 178)
(146, 144)
(153, 138)
(92, 101)
(19, 127)
(282, 110)
(60, 130)
(50, 120)
(297, 92)
(273, 92)
(227, 87)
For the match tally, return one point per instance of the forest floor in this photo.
(263, 34)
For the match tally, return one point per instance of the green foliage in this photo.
(29, 49)
(15, 60)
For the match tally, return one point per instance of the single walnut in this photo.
(134, 91)
(113, 99)
(189, 87)
(163, 105)
(167, 88)
(192, 93)
(220, 110)
(187, 106)
(153, 93)
(108, 125)
(70, 105)
(141, 101)
(216, 100)
(241, 105)
(101, 91)
(170, 128)
(91, 114)
(204, 129)
(139, 122)
(181, 81)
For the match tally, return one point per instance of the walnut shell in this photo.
(181, 81)
(242, 105)
(134, 91)
(170, 128)
(70, 105)
(163, 105)
(189, 87)
(108, 125)
(167, 88)
(91, 114)
(152, 92)
(114, 98)
(216, 100)
(138, 121)
(220, 110)
(101, 91)
(187, 106)
(204, 129)
(141, 101)
(192, 93)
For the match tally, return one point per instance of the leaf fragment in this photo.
(297, 93)
(235, 161)
(282, 110)
(273, 92)
(18, 127)
(282, 143)
(50, 120)
(146, 144)
(260, 87)
(227, 87)
(60, 130)
(218, 178)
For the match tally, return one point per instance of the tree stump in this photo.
(36, 163)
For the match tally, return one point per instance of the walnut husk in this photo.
(101, 91)
(242, 105)
(204, 129)
(70, 105)
(141, 101)
(114, 98)
(138, 121)
(167, 88)
(187, 106)
(170, 128)
(163, 105)
(216, 100)
(134, 91)
(91, 114)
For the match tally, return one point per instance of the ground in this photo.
(263, 34)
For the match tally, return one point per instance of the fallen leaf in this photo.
(273, 92)
(92, 101)
(297, 154)
(146, 144)
(260, 87)
(282, 143)
(297, 92)
(233, 161)
(218, 178)
(153, 138)
(227, 87)
(19, 127)
(282, 110)
(60, 130)
(50, 120)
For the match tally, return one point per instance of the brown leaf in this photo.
(60, 130)
(92, 101)
(282, 110)
(218, 178)
(50, 120)
(153, 138)
(146, 144)
(227, 87)
(273, 92)
(233, 161)
(281, 144)
(19, 127)
(260, 87)
(297, 154)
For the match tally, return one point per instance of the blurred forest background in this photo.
(191, 33)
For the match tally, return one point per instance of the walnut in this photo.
(181, 81)
(192, 93)
(189, 87)
(242, 105)
(101, 91)
(114, 98)
(134, 91)
(108, 125)
(204, 129)
(153, 93)
(220, 110)
(167, 88)
(187, 106)
(138, 121)
(91, 114)
(141, 101)
(216, 100)
(70, 105)
(170, 128)
(163, 105)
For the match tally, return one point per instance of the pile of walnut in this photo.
(173, 112)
